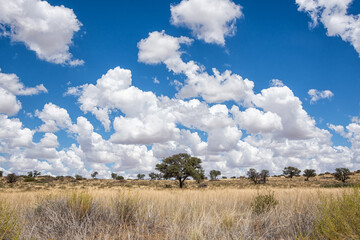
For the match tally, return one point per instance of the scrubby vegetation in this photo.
(65, 207)
(181, 214)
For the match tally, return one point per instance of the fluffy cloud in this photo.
(54, 118)
(45, 29)
(12, 84)
(255, 121)
(352, 133)
(317, 95)
(333, 14)
(13, 135)
(10, 87)
(159, 47)
(215, 88)
(209, 20)
(113, 91)
(297, 124)
(9, 103)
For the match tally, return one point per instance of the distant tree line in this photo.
(183, 166)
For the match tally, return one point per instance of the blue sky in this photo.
(284, 90)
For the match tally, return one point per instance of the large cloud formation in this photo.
(45, 29)
(215, 116)
(333, 14)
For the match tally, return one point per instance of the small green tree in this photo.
(213, 174)
(342, 174)
(140, 176)
(152, 176)
(78, 177)
(11, 178)
(120, 178)
(308, 173)
(113, 175)
(30, 174)
(1, 173)
(94, 174)
(253, 175)
(291, 172)
(36, 173)
(264, 174)
(181, 167)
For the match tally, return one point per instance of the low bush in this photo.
(339, 217)
(11, 178)
(29, 179)
(263, 202)
(10, 224)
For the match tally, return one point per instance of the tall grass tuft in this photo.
(264, 202)
(339, 217)
(80, 204)
(10, 225)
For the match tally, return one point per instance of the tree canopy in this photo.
(181, 166)
(342, 174)
(214, 173)
(308, 173)
(291, 172)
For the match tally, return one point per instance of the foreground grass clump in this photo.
(339, 216)
(264, 202)
(10, 226)
(78, 216)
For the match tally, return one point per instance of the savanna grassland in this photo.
(282, 208)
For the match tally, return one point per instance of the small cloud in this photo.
(156, 81)
(276, 83)
(317, 95)
(177, 84)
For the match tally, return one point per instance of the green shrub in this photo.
(10, 227)
(29, 179)
(339, 217)
(120, 178)
(78, 177)
(11, 178)
(264, 202)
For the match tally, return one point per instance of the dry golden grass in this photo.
(164, 214)
(110, 209)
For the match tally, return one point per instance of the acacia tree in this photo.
(155, 176)
(342, 174)
(214, 174)
(94, 174)
(140, 176)
(308, 173)
(291, 172)
(36, 173)
(113, 175)
(264, 174)
(181, 166)
(253, 175)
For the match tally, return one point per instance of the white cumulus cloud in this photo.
(45, 29)
(10, 87)
(333, 14)
(317, 95)
(209, 20)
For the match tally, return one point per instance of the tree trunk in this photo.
(181, 183)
